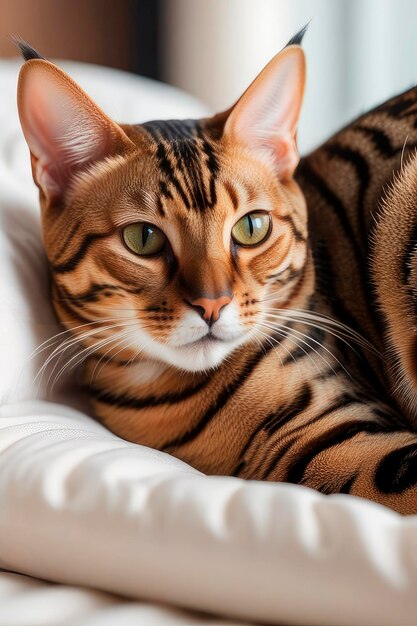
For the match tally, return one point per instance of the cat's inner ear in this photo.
(65, 130)
(265, 118)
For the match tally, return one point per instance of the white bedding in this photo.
(26, 601)
(82, 507)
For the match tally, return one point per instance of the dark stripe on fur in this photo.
(232, 193)
(70, 309)
(327, 285)
(278, 418)
(191, 149)
(347, 486)
(310, 177)
(288, 219)
(382, 143)
(67, 241)
(286, 413)
(160, 206)
(168, 170)
(399, 107)
(212, 164)
(132, 402)
(315, 336)
(397, 471)
(284, 277)
(333, 437)
(165, 192)
(362, 170)
(93, 293)
(222, 398)
(342, 402)
(72, 263)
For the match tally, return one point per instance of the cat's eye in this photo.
(252, 229)
(144, 239)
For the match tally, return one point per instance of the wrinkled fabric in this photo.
(81, 507)
(27, 601)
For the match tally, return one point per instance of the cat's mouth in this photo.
(210, 339)
(201, 348)
(207, 339)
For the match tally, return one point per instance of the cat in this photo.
(221, 320)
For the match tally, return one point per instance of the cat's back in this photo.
(344, 182)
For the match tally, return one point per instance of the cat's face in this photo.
(169, 239)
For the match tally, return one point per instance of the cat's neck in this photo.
(152, 403)
(145, 377)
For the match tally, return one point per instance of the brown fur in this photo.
(304, 399)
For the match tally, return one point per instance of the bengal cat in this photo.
(218, 319)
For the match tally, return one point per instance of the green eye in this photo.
(252, 229)
(144, 239)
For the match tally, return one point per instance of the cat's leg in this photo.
(349, 443)
(378, 466)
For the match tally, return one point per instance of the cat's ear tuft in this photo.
(65, 130)
(26, 49)
(265, 118)
(296, 40)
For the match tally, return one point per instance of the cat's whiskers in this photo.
(77, 359)
(59, 350)
(303, 337)
(327, 324)
(55, 338)
(103, 356)
(286, 335)
(78, 337)
(259, 342)
(284, 332)
(91, 302)
(134, 309)
(67, 344)
(329, 331)
(271, 340)
(87, 352)
(84, 354)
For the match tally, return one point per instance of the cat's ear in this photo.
(65, 130)
(265, 118)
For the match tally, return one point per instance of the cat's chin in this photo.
(199, 354)
(192, 347)
(204, 354)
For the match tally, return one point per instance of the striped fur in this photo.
(291, 391)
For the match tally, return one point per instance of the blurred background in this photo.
(359, 51)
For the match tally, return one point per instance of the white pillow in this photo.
(82, 507)
(79, 505)
(26, 317)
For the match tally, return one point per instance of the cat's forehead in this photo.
(175, 131)
(198, 169)
(181, 168)
(187, 160)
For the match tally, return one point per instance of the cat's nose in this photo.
(210, 308)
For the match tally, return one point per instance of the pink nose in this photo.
(210, 308)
